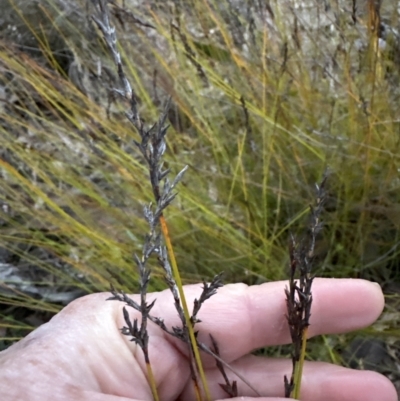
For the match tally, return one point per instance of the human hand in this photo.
(80, 355)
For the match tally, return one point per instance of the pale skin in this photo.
(80, 355)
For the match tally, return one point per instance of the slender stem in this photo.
(164, 229)
(197, 390)
(207, 350)
(298, 374)
(152, 382)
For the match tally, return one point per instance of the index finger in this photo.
(243, 318)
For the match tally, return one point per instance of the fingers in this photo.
(321, 381)
(85, 343)
(243, 318)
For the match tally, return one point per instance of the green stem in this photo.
(152, 382)
(298, 371)
(177, 277)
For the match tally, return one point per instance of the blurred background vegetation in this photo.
(266, 97)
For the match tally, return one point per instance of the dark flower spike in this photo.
(299, 295)
(152, 146)
(208, 291)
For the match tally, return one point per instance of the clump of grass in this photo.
(279, 148)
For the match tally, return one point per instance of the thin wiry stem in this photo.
(180, 332)
(208, 351)
(188, 321)
(228, 387)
